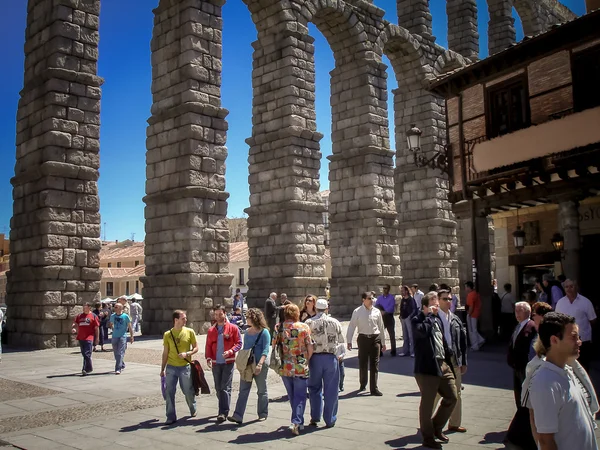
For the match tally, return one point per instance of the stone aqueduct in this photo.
(380, 214)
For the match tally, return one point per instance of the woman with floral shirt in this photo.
(296, 352)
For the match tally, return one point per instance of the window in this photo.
(127, 288)
(241, 279)
(109, 265)
(118, 264)
(109, 289)
(585, 66)
(507, 108)
(137, 287)
(137, 263)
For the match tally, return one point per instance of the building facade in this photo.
(524, 155)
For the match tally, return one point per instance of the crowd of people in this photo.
(549, 351)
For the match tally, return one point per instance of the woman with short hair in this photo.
(257, 338)
(293, 337)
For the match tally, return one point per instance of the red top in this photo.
(474, 304)
(87, 325)
(231, 339)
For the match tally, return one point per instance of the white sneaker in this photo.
(412, 356)
(401, 354)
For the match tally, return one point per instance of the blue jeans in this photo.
(223, 375)
(183, 374)
(323, 386)
(296, 390)
(262, 408)
(86, 352)
(119, 346)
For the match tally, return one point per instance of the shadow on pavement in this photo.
(403, 441)
(279, 433)
(409, 394)
(155, 423)
(282, 399)
(78, 374)
(493, 437)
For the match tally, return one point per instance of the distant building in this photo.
(325, 198)
(122, 266)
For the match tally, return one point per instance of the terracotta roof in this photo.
(238, 252)
(112, 251)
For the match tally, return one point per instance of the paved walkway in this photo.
(45, 404)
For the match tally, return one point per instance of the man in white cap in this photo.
(323, 384)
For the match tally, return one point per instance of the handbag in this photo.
(198, 379)
(245, 361)
(277, 352)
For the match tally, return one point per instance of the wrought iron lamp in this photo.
(519, 236)
(558, 242)
(439, 160)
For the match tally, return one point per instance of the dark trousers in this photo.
(86, 352)
(342, 375)
(430, 386)
(369, 346)
(390, 325)
(585, 355)
(518, 378)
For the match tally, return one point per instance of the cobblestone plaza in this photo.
(45, 404)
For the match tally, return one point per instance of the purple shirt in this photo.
(387, 302)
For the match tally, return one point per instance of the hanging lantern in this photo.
(519, 239)
(558, 242)
(413, 137)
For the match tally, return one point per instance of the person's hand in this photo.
(349, 346)
(434, 310)
(74, 331)
(182, 355)
(340, 359)
(383, 348)
(258, 369)
(131, 339)
(162, 373)
(209, 363)
(426, 310)
(226, 354)
(463, 370)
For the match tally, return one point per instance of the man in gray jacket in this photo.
(456, 336)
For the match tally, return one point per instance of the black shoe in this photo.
(432, 444)
(221, 418)
(313, 423)
(362, 389)
(442, 437)
(331, 425)
(393, 353)
(376, 393)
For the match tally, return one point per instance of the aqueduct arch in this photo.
(55, 229)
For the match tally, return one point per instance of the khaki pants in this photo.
(456, 417)
(430, 386)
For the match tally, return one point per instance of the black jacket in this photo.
(425, 362)
(459, 339)
(518, 353)
(408, 307)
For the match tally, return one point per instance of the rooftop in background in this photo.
(113, 250)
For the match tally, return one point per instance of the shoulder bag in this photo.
(245, 360)
(277, 351)
(198, 379)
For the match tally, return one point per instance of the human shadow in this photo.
(282, 399)
(408, 394)
(279, 433)
(93, 374)
(403, 441)
(351, 394)
(493, 437)
(185, 421)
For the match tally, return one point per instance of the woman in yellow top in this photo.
(179, 345)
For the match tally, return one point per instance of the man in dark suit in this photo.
(520, 344)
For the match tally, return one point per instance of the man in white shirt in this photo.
(576, 305)
(559, 411)
(417, 294)
(371, 340)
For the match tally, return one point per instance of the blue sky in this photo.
(125, 33)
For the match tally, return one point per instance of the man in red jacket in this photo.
(223, 341)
